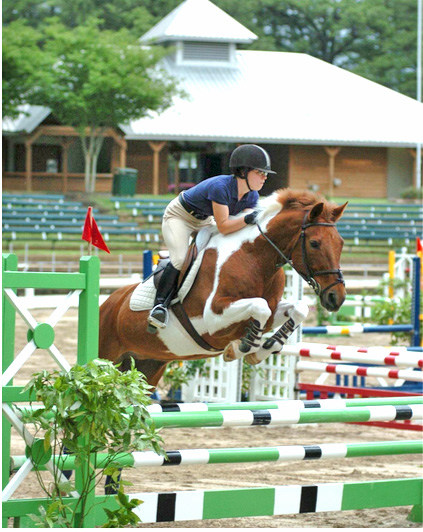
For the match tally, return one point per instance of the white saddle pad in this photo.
(144, 294)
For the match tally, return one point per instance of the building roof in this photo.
(28, 119)
(198, 20)
(287, 98)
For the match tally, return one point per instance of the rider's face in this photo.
(256, 179)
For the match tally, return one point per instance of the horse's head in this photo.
(316, 255)
(304, 234)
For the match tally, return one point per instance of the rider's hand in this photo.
(251, 218)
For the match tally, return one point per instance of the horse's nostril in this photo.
(332, 299)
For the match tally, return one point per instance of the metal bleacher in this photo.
(53, 217)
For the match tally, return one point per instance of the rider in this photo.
(217, 197)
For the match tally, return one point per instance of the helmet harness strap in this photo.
(246, 178)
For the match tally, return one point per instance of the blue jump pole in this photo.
(415, 310)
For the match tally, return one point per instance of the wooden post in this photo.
(413, 153)
(66, 144)
(28, 158)
(177, 157)
(332, 152)
(122, 154)
(28, 166)
(157, 148)
(123, 147)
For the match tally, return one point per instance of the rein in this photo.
(309, 275)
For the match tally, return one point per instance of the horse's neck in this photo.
(283, 230)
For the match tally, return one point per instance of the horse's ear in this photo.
(339, 211)
(315, 212)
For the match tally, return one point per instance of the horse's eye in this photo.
(314, 244)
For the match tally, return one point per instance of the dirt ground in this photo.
(253, 474)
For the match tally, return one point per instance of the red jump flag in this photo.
(91, 232)
(419, 244)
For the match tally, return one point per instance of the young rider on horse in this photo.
(217, 197)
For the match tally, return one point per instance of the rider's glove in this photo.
(251, 218)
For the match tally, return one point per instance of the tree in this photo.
(373, 38)
(393, 62)
(137, 16)
(95, 80)
(22, 58)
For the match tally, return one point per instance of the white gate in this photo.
(222, 384)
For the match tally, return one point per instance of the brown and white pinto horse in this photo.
(237, 293)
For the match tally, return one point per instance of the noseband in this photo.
(309, 275)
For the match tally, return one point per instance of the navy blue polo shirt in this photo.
(222, 189)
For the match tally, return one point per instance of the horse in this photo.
(236, 295)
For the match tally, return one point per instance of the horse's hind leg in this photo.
(288, 317)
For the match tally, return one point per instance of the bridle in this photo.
(309, 275)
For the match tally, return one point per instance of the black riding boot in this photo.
(159, 314)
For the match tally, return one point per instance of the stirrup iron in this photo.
(155, 322)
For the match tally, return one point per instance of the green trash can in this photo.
(124, 181)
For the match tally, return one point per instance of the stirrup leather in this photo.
(154, 321)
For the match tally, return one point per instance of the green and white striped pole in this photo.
(192, 457)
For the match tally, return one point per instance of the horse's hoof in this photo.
(229, 353)
(252, 359)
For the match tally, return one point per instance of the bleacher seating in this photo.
(33, 197)
(387, 207)
(53, 217)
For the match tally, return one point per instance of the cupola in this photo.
(201, 33)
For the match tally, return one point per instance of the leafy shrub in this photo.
(89, 409)
(412, 193)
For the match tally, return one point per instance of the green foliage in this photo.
(124, 515)
(100, 78)
(396, 311)
(91, 79)
(248, 374)
(373, 38)
(178, 373)
(391, 59)
(136, 16)
(96, 408)
(22, 59)
(412, 193)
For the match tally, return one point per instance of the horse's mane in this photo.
(289, 199)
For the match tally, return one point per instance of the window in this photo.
(206, 51)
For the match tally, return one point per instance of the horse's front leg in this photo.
(288, 317)
(255, 310)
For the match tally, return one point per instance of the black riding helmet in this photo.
(250, 156)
